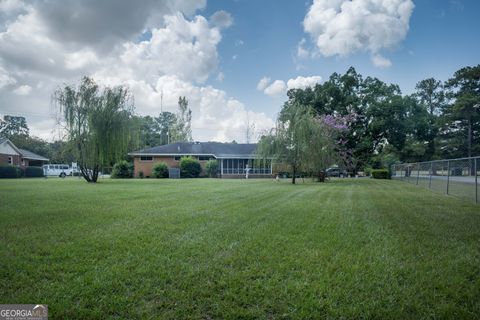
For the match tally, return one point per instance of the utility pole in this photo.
(161, 102)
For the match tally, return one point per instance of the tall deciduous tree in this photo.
(97, 123)
(463, 114)
(166, 123)
(183, 127)
(431, 96)
(12, 126)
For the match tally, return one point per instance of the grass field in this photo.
(229, 249)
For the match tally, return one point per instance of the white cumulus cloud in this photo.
(222, 19)
(303, 82)
(263, 83)
(380, 61)
(341, 27)
(279, 87)
(276, 88)
(176, 54)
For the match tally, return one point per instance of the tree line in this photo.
(349, 119)
(100, 127)
(439, 120)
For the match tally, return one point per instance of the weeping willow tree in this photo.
(300, 140)
(288, 142)
(97, 122)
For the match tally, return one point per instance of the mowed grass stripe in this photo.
(210, 248)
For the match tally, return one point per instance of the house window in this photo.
(177, 158)
(10, 160)
(146, 158)
(204, 158)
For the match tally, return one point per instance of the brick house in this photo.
(11, 155)
(233, 158)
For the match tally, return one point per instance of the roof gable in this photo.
(7, 147)
(31, 156)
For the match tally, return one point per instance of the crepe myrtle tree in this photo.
(338, 128)
(328, 143)
(97, 123)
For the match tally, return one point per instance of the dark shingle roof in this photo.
(30, 155)
(217, 149)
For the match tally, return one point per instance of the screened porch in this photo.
(239, 166)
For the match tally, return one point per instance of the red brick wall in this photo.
(147, 166)
(4, 160)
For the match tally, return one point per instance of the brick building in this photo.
(234, 159)
(11, 155)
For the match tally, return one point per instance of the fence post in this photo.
(418, 172)
(476, 182)
(430, 173)
(448, 174)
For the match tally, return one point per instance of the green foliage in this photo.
(431, 96)
(160, 170)
(166, 122)
(122, 169)
(153, 131)
(299, 140)
(16, 130)
(437, 121)
(34, 172)
(460, 134)
(98, 124)
(182, 131)
(12, 126)
(141, 175)
(10, 172)
(211, 167)
(380, 174)
(386, 158)
(190, 167)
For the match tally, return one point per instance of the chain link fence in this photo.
(457, 177)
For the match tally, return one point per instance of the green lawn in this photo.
(225, 249)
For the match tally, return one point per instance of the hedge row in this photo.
(380, 174)
(11, 172)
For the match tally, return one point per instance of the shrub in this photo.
(211, 166)
(122, 169)
(33, 172)
(368, 171)
(189, 167)
(160, 170)
(10, 172)
(140, 174)
(380, 174)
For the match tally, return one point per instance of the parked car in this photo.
(57, 170)
(336, 172)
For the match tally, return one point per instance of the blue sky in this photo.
(216, 52)
(443, 37)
